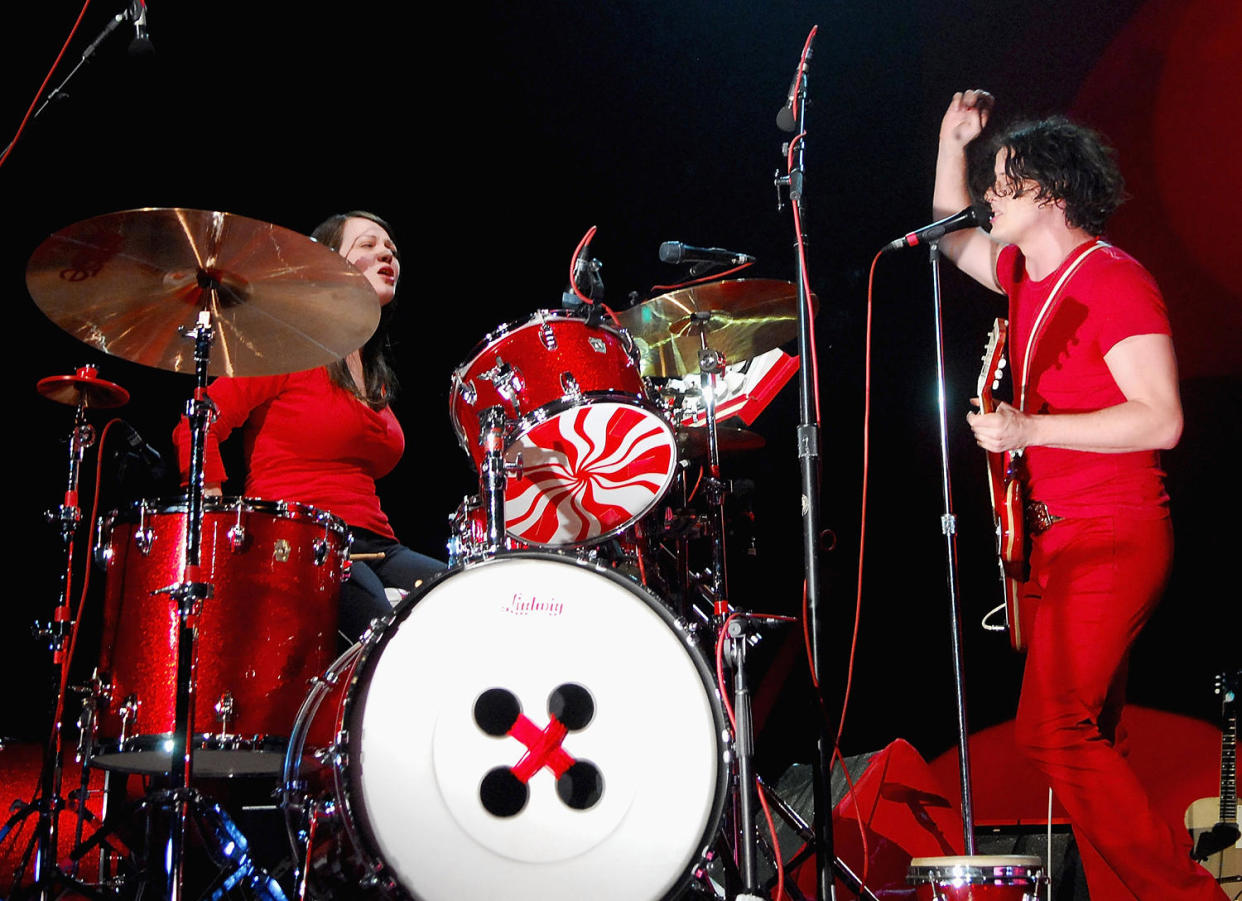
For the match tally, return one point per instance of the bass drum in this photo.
(532, 726)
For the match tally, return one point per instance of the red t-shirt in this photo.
(306, 440)
(1110, 297)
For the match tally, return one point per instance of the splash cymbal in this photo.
(129, 283)
(83, 387)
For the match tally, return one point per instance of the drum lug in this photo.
(225, 708)
(129, 716)
(547, 337)
(143, 537)
(569, 384)
(237, 537)
(237, 532)
(103, 546)
(86, 729)
(320, 548)
(466, 389)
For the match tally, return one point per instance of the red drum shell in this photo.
(269, 628)
(595, 455)
(540, 352)
(977, 878)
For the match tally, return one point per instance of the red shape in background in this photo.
(1164, 93)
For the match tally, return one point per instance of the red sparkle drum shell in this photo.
(977, 878)
(595, 454)
(411, 774)
(268, 629)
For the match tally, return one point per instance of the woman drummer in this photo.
(322, 437)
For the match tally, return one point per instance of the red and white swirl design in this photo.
(588, 472)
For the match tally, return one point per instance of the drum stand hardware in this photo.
(81, 390)
(807, 834)
(493, 475)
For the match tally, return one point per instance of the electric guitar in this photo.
(1213, 822)
(1005, 492)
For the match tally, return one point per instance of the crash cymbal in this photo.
(127, 283)
(692, 442)
(83, 387)
(741, 317)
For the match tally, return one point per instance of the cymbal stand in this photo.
(739, 632)
(739, 627)
(188, 594)
(712, 363)
(49, 803)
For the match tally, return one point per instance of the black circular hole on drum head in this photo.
(581, 786)
(496, 710)
(502, 793)
(572, 705)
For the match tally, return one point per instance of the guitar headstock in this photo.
(993, 365)
(1227, 688)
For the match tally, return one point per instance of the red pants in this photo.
(1094, 583)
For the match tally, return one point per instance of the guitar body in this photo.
(1213, 822)
(1005, 491)
(1202, 817)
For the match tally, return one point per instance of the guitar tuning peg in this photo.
(995, 384)
(1001, 363)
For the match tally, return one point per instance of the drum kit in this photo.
(494, 736)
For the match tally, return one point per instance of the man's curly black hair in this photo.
(1068, 162)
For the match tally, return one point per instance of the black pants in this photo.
(362, 595)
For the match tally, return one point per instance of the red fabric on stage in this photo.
(306, 440)
(906, 814)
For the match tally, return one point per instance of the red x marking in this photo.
(543, 748)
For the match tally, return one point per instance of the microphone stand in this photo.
(809, 464)
(58, 92)
(948, 526)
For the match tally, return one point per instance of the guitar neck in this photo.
(1229, 770)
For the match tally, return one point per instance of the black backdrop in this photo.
(492, 136)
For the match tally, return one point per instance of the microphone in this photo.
(138, 449)
(677, 252)
(785, 119)
(141, 44)
(977, 214)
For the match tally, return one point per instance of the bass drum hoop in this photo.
(355, 818)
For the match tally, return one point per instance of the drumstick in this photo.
(377, 556)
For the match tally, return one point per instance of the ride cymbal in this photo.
(130, 283)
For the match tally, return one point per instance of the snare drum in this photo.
(977, 878)
(532, 726)
(595, 455)
(268, 629)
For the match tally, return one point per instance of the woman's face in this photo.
(367, 245)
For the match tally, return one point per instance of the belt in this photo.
(1038, 519)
